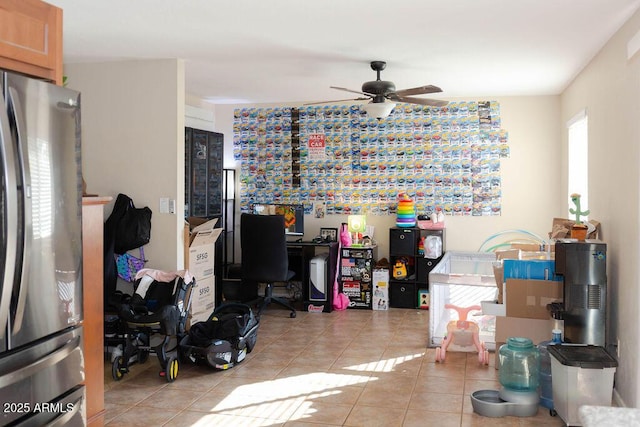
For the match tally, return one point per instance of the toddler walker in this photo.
(463, 333)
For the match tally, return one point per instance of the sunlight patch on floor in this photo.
(387, 365)
(279, 399)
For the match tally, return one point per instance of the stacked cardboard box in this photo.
(200, 261)
(525, 300)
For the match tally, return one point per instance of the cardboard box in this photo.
(508, 254)
(202, 247)
(518, 255)
(200, 261)
(498, 268)
(186, 236)
(530, 247)
(203, 299)
(537, 255)
(493, 308)
(529, 298)
(380, 299)
(537, 330)
(498, 273)
(561, 229)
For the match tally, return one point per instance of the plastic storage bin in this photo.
(582, 375)
(462, 279)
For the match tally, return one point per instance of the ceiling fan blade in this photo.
(351, 90)
(419, 90)
(336, 100)
(421, 101)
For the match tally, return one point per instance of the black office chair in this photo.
(264, 256)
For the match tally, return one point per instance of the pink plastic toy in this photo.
(463, 333)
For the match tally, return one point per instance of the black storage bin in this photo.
(425, 265)
(403, 295)
(403, 241)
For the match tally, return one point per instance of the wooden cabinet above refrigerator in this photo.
(31, 38)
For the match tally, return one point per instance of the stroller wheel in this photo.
(171, 370)
(116, 368)
(292, 314)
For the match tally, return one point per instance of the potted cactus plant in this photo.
(578, 229)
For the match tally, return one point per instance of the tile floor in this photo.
(345, 368)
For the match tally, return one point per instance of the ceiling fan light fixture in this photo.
(379, 110)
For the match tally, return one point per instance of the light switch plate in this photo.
(164, 205)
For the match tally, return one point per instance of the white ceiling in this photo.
(279, 51)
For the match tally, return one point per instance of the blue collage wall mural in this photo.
(337, 160)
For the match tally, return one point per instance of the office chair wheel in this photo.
(117, 370)
(292, 314)
(171, 370)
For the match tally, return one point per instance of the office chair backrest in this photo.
(264, 248)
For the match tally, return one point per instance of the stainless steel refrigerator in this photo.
(41, 359)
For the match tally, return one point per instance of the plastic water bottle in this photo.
(546, 382)
(544, 376)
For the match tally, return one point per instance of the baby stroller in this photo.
(224, 339)
(463, 333)
(154, 320)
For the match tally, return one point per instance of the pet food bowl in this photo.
(488, 403)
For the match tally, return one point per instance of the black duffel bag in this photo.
(134, 228)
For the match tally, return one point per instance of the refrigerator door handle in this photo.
(14, 104)
(63, 419)
(8, 158)
(42, 363)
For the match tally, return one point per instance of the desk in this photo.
(300, 254)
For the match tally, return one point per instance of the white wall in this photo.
(133, 142)
(530, 178)
(609, 89)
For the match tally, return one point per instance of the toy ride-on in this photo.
(463, 333)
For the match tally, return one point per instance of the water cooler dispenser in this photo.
(583, 267)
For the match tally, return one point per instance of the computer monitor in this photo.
(293, 216)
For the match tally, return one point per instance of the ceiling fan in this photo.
(379, 91)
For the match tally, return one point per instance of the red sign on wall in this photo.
(317, 146)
